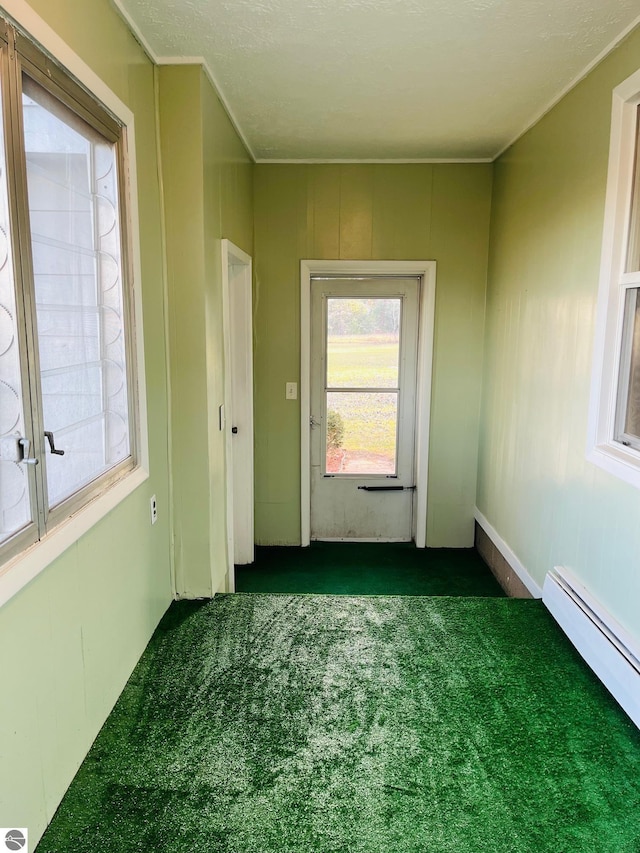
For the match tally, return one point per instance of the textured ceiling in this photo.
(384, 79)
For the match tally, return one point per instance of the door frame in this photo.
(232, 255)
(426, 271)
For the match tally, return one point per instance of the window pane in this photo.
(633, 250)
(630, 365)
(15, 511)
(361, 433)
(363, 343)
(75, 232)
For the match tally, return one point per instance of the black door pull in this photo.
(387, 488)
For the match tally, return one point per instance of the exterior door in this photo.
(364, 336)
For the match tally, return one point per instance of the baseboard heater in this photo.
(609, 650)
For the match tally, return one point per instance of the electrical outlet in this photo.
(154, 509)
(291, 391)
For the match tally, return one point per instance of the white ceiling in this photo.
(384, 79)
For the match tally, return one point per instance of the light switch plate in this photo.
(291, 392)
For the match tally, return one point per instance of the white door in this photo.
(238, 332)
(364, 339)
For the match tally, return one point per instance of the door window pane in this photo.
(630, 366)
(363, 342)
(75, 232)
(361, 433)
(15, 512)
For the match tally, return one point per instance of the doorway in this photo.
(364, 336)
(366, 364)
(237, 416)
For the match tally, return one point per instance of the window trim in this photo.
(19, 570)
(602, 448)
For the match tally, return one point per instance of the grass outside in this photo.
(367, 361)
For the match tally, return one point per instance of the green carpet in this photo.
(329, 724)
(346, 568)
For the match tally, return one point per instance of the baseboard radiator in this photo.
(609, 650)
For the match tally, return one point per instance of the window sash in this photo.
(627, 425)
(633, 226)
(19, 534)
(628, 350)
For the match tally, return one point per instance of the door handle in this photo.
(52, 446)
(387, 488)
(313, 422)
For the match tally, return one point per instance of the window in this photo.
(68, 424)
(614, 416)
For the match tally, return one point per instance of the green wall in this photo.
(383, 212)
(208, 193)
(228, 213)
(69, 640)
(535, 486)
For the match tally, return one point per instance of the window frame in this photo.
(68, 78)
(604, 448)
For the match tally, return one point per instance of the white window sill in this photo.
(618, 460)
(19, 571)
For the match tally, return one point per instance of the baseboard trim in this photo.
(510, 558)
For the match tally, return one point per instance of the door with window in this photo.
(364, 337)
